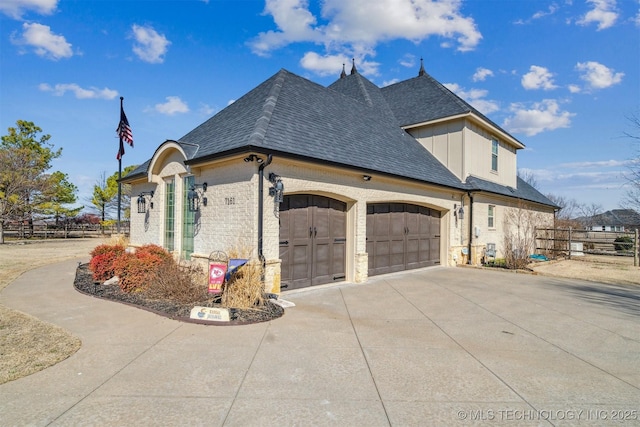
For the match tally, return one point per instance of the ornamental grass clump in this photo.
(245, 289)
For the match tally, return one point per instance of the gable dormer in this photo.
(458, 135)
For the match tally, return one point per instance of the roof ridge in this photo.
(262, 123)
(364, 90)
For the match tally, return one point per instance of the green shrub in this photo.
(102, 261)
(623, 243)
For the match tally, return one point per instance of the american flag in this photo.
(124, 132)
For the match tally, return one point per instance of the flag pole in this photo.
(120, 172)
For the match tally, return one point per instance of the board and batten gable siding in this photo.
(465, 149)
(445, 141)
(477, 156)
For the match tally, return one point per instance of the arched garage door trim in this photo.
(402, 236)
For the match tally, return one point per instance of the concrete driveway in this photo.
(440, 346)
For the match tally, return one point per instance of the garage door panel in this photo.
(434, 256)
(413, 253)
(299, 262)
(312, 240)
(381, 225)
(322, 261)
(396, 224)
(299, 223)
(424, 227)
(397, 255)
(401, 237)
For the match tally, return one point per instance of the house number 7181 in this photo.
(229, 200)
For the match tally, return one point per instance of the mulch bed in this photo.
(84, 283)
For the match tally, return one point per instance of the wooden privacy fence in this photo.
(62, 231)
(569, 242)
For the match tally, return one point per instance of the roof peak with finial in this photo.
(421, 72)
(343, 74)
(354, 70)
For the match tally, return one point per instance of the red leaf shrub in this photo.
(156, 250)
(103, 258)
(137, 271)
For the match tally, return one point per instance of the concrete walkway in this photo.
(442, 346)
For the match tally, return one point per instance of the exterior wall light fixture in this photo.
(458, 212)
(253, 157)
(142, 201)
(277, 191)
(195, 195)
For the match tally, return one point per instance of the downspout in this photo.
(261, 208)
(470, 194)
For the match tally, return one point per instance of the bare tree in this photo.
(588, 213)
(568, 207)
(529, 177)
(519, 241)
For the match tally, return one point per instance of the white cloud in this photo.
(174, 105)
(481, 74)
(150, 46)
(475, 97)
(575, 89)
(331, 64)
(353, 28)
(408, 61)
(206, 109)
(323, 65)
(597, 164)
(538, 78)
(542, 116)
(16, 8)
(43, 41)
(553, 8)
(598, 76)
(390, 82)
(602, 13)
(80, 93)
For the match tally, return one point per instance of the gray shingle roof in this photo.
(352, 123)
(615, 217)
(424, 99)
(292, 115)
(523, 190)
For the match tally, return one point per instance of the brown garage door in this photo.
(312, 240)
(401, 237)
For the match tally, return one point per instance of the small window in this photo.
(494, 155)
(491, 216)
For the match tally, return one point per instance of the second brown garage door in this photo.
(312, 240)
(401, 236)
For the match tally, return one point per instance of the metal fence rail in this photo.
(571, 242)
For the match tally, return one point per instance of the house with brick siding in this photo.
(337, 183)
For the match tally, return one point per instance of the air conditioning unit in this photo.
(577, 249)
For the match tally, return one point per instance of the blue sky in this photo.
(562, 76)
